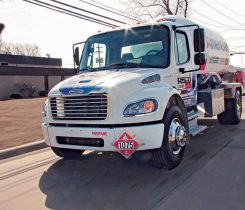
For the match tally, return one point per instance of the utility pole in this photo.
(99, 53)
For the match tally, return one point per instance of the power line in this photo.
(230, 45)
(229, 8)
(109, 10)
(237, 47)
(69, 11)
(209, 23)
(228, 29)
(91, 20)
(83, 10)
(220, 12)
(210, 18)
(104, 5)
(236, 37)
(237, 53)
(233, 29)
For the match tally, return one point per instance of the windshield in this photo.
(146, 46)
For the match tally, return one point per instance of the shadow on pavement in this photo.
(108, 181)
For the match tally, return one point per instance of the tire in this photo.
(233, 110)
(170, 154)
(67, 153)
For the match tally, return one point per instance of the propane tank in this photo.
(216, 53)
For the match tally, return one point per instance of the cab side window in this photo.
(182, 53)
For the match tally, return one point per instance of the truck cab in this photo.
(136, 89)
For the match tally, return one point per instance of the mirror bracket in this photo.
(76, 57)
(182, 70)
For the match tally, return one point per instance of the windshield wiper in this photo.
(139, 65)
(88, 69)
(124, 65)
(115, 65)
(121, 65)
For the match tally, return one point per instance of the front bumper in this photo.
(148, 136)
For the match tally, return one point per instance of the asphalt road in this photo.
(211, 176)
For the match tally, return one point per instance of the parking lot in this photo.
(20, 121)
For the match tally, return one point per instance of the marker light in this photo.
(149, 106)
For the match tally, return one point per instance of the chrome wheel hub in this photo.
(177, 136)
(181, 136)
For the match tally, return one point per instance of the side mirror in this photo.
(76, 56)
(199, 59)
(199, 42)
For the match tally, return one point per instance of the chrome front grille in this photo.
(88, 107)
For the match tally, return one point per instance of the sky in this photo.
(55, 33)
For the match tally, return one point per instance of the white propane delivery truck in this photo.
(142, 88)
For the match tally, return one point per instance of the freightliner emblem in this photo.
(76, 91)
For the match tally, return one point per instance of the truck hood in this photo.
(96, 81)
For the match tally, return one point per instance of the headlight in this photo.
(45, 108)
(141, 107)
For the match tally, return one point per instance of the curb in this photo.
(19, 150)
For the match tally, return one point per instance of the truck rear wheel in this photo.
(233, 110)
(171, 152)
(67, 153)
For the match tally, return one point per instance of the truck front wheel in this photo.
(233, 110)
(171, 152)
(67, 153)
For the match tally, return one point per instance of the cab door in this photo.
(185, 81)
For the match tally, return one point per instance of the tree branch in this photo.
(186, 8)
(149, 5)
(177, 7)
(152, 8)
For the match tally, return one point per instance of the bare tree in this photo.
(19, 49)
(149, 9)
